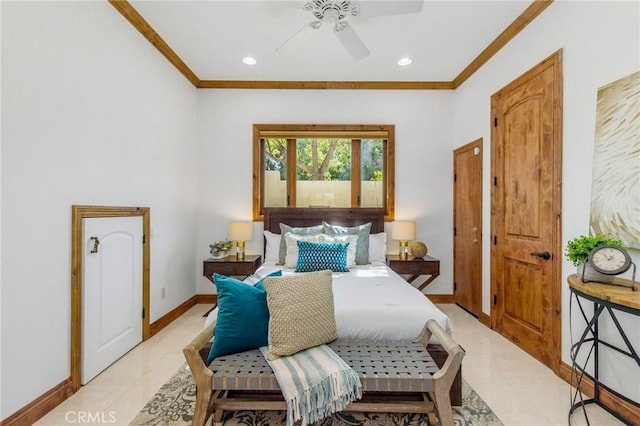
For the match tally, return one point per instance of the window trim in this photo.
(352, 131)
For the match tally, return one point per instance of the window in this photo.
(323, 166)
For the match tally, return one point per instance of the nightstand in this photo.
(415, 267)
(231, 266)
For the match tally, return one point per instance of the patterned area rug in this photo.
(173, 404)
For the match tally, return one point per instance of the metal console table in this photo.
(604, 298)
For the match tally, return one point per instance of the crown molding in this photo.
(139, 23)
(326, 85)
(524, 19)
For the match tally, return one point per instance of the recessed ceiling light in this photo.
(403, 62)
(249, 60)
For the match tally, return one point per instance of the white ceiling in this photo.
(213, 36)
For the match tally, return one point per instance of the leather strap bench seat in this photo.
(396, 376)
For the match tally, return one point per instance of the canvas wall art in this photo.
(615, 194)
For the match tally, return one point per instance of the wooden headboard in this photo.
(307, 216)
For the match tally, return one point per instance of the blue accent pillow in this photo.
(320, 256)
(362, 231)
(243, 316)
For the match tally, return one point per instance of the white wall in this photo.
(600, 43)
(424, 158)
(91, 114)
(1, 416)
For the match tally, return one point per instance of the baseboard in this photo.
(440, 298)
(40, 406)
(172, 315)
(209, 299)
(484, 319)
(46, 402)
(565, 374)
(611, 401)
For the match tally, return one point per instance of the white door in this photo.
(112, 291)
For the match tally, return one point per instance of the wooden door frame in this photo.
(478, 143)
(77, 214)
(554, 61)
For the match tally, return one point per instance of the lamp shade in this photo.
(240, 231)
(403, 231)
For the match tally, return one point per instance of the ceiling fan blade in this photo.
(351, 40)
(299, 38)
(371, 9)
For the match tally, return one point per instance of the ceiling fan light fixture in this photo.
(248, 60)
(337, 13)
(403, 62)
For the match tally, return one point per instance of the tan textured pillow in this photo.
(301, 312)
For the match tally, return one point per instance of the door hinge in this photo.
(495, 181)
(455, 286)
(495, 299)
(495, 121)
(455, 177)
(358, 201)
(144, 239)
(288, 200)
(495, 240)
(143, 313)
(455, 232)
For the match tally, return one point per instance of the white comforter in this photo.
(372, 302)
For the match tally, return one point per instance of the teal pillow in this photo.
(243, 316)
(309, 230)
(362, 231)
(320, 256)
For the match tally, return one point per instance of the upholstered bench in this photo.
(396, 376)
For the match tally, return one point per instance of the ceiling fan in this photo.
(338, 12)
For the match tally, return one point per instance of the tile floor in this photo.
(519, 389)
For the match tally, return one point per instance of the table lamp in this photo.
(403, 231)
(240, 232)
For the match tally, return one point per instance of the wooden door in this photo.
(467, 227)
(525, 204)
(112, 296)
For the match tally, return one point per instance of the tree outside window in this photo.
(347, 166)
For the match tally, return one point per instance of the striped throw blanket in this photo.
(315, 383)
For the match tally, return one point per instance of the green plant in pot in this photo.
(220, 249)
(578, 251)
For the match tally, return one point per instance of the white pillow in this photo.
(291, 240)
(351, 248)
(378, 247)
(272, 249)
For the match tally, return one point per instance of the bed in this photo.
(371, 301)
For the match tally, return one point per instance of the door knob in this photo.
(542, 255)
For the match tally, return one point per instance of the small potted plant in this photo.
(220, 249)
(578, 251)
